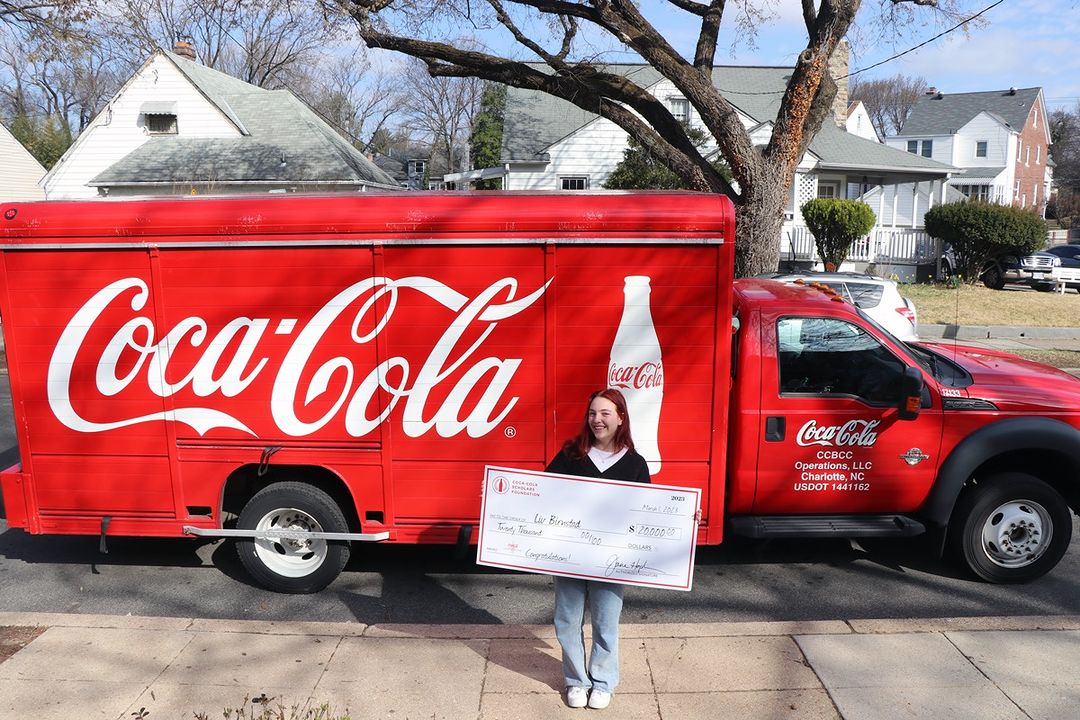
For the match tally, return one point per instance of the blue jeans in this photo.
(605, 605)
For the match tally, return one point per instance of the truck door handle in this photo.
(774, 428)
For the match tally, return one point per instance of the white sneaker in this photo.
(576, 697)
(599, 699)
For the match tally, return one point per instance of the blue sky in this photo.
(1021, 43)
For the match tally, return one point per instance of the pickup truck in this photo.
(299, 375)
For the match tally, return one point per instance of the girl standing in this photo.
(601, 449)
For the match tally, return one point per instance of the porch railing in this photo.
(891, 245)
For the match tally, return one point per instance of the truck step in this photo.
(780, 526)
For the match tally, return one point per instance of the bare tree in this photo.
(61, 77)
(258, 41)
(1065, 147)
(49, 17)
(562, 33)
(442, 109)
(888, 100)
(355, 97)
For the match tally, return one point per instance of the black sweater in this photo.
(631, 467)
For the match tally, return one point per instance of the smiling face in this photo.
(604, 420)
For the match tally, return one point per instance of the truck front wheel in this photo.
(293, 565)
(1010, 528)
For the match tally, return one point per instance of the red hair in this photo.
(578, 446)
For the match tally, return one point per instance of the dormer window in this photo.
(417, 167)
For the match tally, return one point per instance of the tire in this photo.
(293, 566)
(993, 278)
(1010, 528)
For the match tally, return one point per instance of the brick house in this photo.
(998, 139)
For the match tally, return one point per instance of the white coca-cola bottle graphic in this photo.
(637, 369)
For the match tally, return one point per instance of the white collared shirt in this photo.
(602, 459)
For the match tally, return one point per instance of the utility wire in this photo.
(927, 42)
(888, 59)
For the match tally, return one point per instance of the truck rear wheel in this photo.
(1010, 528)
(293, 566)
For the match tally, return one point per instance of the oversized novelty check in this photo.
(590, 528)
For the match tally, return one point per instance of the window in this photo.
(927, 148)
(1027, 156)
(417, 167)
(828, 190)
(1016, 190)
(980, 149)
(913, 147)
(161, 123)
(1035, 116)
(1038, 154)
(975, 192)
(574, 182)
(823, 356)
(680, 108)
(1019, 151)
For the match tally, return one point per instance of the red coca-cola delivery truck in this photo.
(303, 373)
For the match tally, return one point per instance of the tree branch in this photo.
(691, 7)
(705, 53)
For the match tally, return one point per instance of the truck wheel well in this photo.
(1055, 469)
(245, 481)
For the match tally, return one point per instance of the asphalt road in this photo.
(743, 581)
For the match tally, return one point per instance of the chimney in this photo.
(185, 50)
(838, 69)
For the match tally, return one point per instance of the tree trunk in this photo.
(759, 217)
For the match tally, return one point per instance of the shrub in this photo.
(835, 225)
(980, 231)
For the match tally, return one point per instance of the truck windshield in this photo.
(915, 358)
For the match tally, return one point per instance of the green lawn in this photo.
(978, 305)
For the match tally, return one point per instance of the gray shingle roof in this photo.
(282, 140)
(534, 121)
(946, 113)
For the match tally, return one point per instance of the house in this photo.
(858, 122)
(999, 140)
(22, 172)
(178, 127)
(551, 144)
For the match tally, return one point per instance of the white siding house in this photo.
(994, 138)
(551, 144)
(21, 171)
(178, 127)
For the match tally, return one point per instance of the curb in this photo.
(991, 332)
(512, 632)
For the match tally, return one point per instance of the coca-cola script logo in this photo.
(853, 433)
(636, 377)
(231, 360)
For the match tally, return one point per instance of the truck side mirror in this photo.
(911, 389)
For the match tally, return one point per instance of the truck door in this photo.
(831, 439)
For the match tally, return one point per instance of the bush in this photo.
(979, 232)
(835, 225)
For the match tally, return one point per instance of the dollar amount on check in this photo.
(590, 528)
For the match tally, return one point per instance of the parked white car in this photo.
(877, 297)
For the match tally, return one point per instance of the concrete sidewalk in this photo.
(85, 666)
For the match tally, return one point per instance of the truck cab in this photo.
(839, 428)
